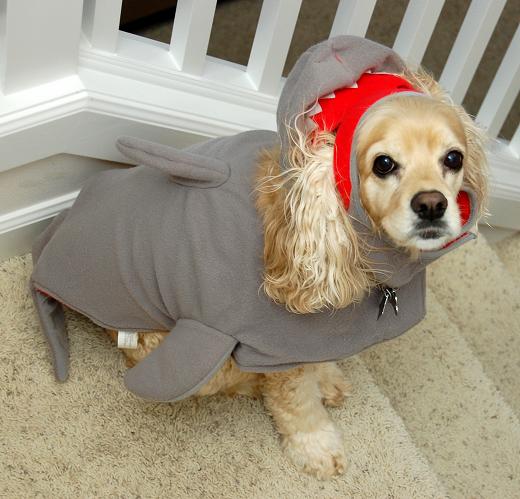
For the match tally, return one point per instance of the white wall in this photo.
(30, 196)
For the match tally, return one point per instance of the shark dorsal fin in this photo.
(186, 168)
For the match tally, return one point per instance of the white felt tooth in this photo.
(332, 95)
(354, 85)
(315, 109)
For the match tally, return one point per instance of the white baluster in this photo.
(352, 17)
(515, 142)
(473, 37)
(416, 29)
(39, 41)
(271, 44)
(190, 34)
(101, 23)
(503, 91)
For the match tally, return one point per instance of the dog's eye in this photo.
(383, 165)
(453, 160)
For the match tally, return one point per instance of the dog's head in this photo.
(413, 154)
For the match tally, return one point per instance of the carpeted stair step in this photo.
(481, 298)
(453, 411)
(89, 437)
(508, 250)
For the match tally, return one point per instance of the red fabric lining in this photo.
(464, 203)
(342, 113)
(455, 240)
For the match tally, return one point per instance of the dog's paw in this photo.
(319, 453)
(334, 387)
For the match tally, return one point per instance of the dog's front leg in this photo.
(309, 437)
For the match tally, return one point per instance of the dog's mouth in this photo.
(430, 230)
(430, 236)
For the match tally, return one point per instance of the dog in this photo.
(414, 155)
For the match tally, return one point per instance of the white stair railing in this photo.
(101, 23)
(71, 81)
(503, 91)
(271, 44)
(473, 37)
(416, 29)
(515, 143)
(352, 17)
(190, 34)
(36, 45)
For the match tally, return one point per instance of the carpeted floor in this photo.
(433, 413)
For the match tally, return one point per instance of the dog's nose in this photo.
(429, 205)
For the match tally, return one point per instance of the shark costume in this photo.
(176, 243)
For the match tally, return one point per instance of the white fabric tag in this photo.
(127, 339)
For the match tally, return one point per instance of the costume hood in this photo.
(330, 65)
(331, 87)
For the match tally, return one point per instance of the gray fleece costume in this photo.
(176, 244)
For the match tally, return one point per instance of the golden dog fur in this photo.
(314, 259)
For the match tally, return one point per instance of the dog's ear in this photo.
(312, 255)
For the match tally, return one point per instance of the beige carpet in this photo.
(429, 416)
(488, 307)
(509, 252)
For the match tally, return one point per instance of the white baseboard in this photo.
(31, 195)
(19, 242)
